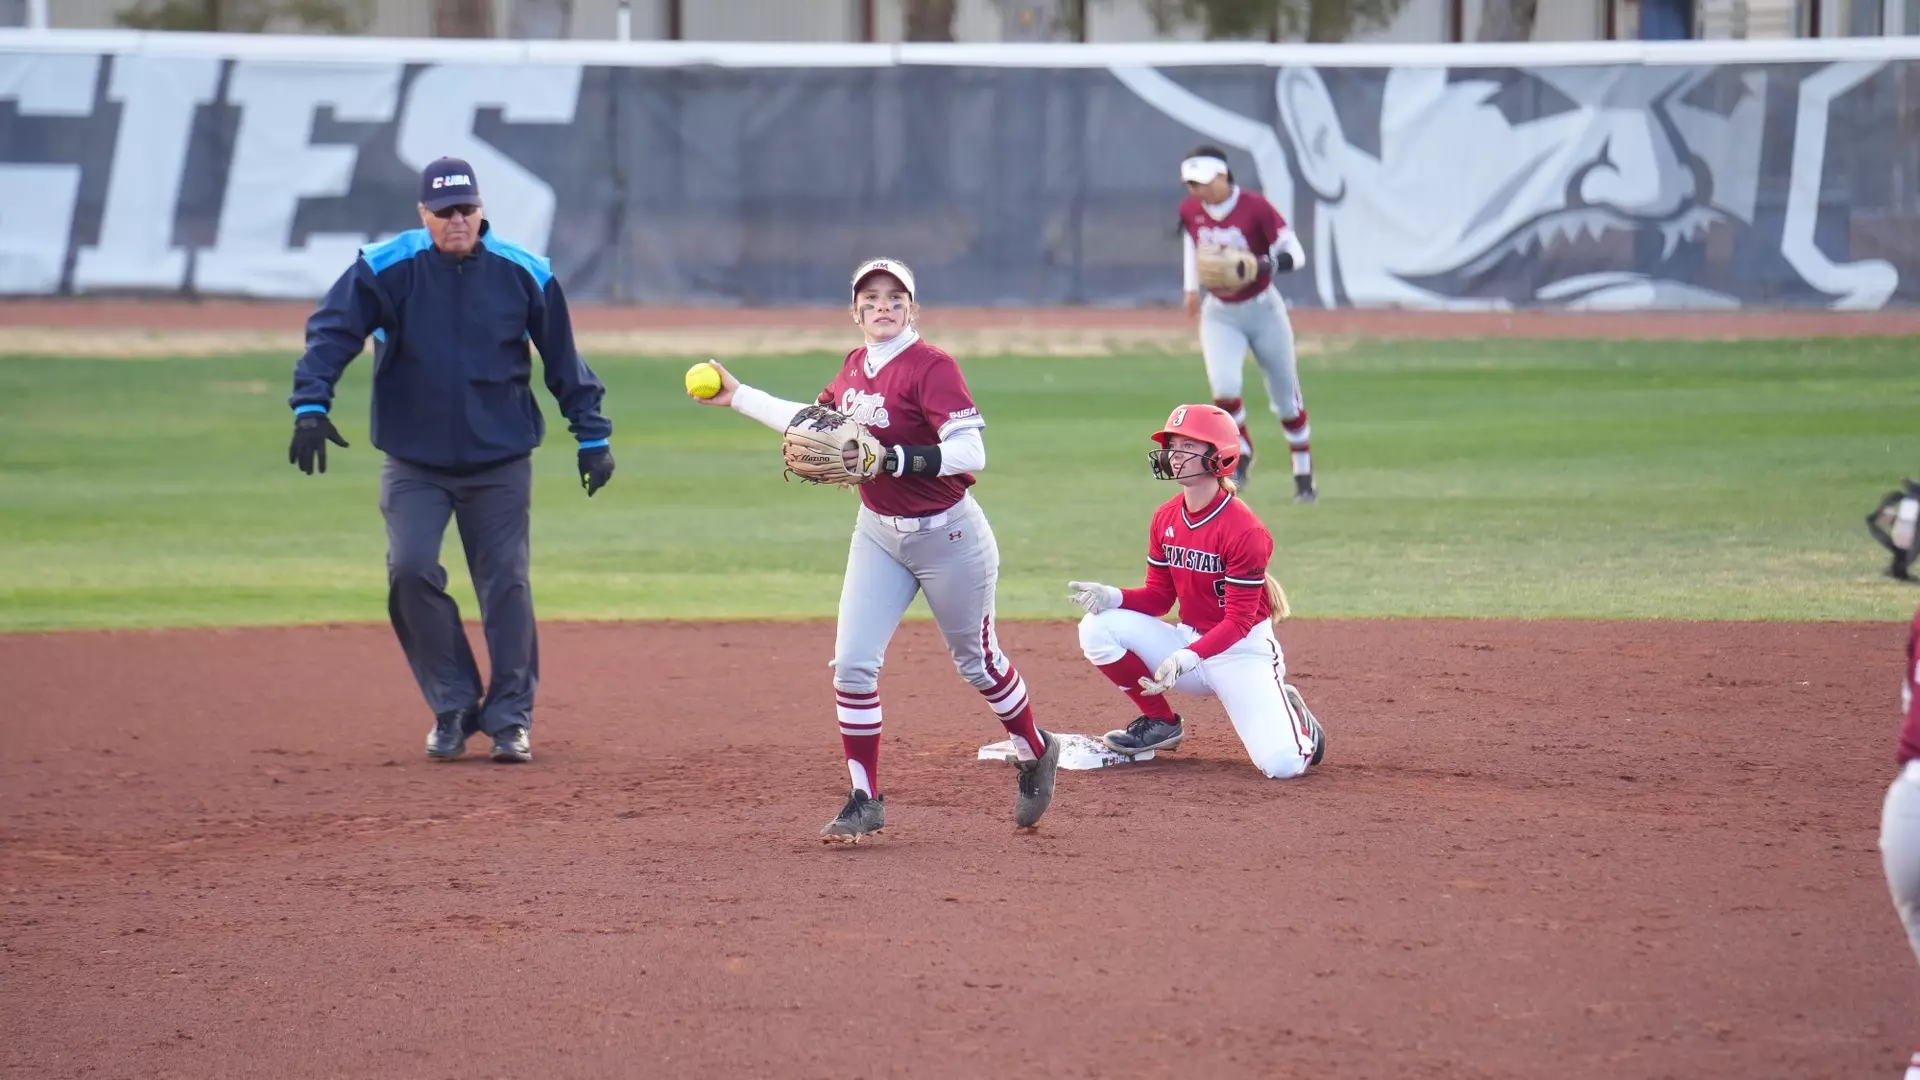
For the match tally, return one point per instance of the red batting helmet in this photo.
(1210, 424)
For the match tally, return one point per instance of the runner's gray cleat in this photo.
(862, 816)
(1036, 784)
(1319, 734)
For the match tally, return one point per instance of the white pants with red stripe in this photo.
(1247, 679)
(955, 560)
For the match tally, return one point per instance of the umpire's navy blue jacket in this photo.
(451, 377)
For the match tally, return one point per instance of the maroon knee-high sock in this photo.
(860, 737)
(1126, 674)
(1008, 698)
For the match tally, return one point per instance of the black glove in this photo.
(596, 468)
(312, 431)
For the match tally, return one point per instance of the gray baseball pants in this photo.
(1228, 331)
(1900, 848)
(492, 508)
(954, 559)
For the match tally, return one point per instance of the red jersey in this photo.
(1252, 224)
(1910, 696)
(1214, 563)
(918, 398)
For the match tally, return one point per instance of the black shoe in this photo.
(1313, 724)
(862, 816)
(1243, 470)
(1035, 791)
(1303, 489)
(1144, 734)
(451, 729)
(512, 744)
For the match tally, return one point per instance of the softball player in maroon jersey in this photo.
(1900, 816)
(1218, 212)
(1208, 552)
(918, 530)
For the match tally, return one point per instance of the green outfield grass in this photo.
(1636, 480)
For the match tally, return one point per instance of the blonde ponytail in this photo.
(1277, 596)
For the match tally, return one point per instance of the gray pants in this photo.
(1227, 331)
(1900, 848)
(954, 559)
(491, 508)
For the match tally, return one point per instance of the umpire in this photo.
(451, 309)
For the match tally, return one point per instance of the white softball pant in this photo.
(1247, 679)
(1900, 848)
(952, 557)
(1227, 331)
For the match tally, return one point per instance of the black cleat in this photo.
(1243, 470)
(862, 816)
(1319, 733)
(451, 729)
(1036, 784)
(1144, 734)
(1303, 489)
(511, 745)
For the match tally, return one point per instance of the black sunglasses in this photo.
(463, 209)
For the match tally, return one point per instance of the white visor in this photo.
(1200, 170)
(885, 266)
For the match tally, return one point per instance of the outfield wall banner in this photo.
(256, 167)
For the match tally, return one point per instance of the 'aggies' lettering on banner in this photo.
(258, 177)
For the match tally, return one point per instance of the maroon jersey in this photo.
(918, 398)
(1910, 696)
(1214, 563)
(1253, 224)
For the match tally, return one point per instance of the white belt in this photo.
(922, 524)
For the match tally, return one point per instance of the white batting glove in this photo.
(1094, 597)
(1170, 671)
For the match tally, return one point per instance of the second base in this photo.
(1076, 752)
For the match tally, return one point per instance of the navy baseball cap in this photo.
(448, 182)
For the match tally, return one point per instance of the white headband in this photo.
(1200, 170)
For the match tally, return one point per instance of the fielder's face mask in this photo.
(1894, 523)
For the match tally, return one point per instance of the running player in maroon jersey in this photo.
(1900, 816)
(1219, 213)
(1206, 550)
(918, 530)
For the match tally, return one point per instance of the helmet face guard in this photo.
(1166, 462)
(1209, 424)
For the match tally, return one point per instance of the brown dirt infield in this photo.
(1536, 849)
